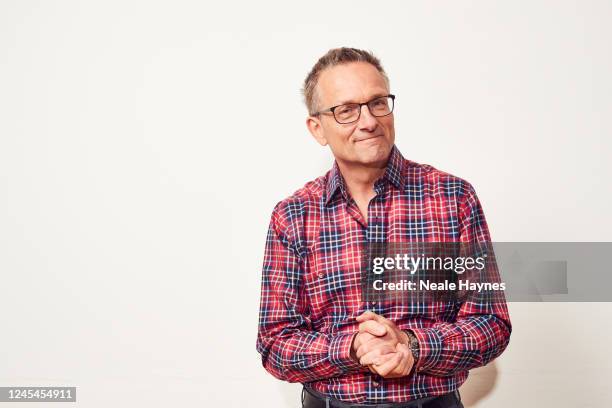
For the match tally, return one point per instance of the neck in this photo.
(360, 179)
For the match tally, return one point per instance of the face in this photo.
(366, 142)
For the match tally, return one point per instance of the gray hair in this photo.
(333, 57)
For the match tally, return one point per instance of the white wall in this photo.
(143, 145)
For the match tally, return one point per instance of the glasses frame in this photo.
(333, 108)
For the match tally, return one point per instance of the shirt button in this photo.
(373, 303)
(375, 383)
(321, 275)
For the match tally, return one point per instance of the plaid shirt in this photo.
(311, 294)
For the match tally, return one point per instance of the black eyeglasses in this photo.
(351, 112)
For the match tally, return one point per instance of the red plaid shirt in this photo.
(311, 293)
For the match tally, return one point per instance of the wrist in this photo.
(413, 344)
(405, 338)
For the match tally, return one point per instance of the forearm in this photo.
(304, 356)
(446, 348)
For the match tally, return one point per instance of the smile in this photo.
(368, 138)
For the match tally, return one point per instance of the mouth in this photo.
(367, 138)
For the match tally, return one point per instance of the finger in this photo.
(376, 351)
(372, 346)
(402, 369)
(368, 315)
(373, 328)
(403, 348)
(367, 346)
(374, 355)
(388, 366)
(409, 357)
(362, 338)
(405, 366)
(383, 359)
(379, 361)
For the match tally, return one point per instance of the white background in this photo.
(143, 145)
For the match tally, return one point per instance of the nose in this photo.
(366, 120)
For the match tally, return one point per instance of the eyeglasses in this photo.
(351, 112)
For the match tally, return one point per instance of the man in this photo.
(314, 326)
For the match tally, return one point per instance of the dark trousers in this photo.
(314, 399)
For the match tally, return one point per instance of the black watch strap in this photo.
(413, 343)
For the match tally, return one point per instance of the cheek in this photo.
(341, 135)
(389, 128)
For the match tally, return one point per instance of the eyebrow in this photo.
(376, 95)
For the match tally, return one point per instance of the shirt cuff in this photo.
(430, 348)
(340, 352)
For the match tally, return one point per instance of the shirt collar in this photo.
(394, 173)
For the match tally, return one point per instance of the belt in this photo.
(314, 399)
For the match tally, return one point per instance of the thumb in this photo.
(373, 328)
(368, 315)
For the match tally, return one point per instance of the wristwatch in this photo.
(413, 344)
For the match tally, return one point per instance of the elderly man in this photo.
(314, 325)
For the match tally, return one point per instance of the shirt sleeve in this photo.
(290, 349)
(482, 329)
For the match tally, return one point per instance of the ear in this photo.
(315, 127)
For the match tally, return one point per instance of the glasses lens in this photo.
(347, 113)
(381, 106)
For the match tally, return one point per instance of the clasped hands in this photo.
(381, 346)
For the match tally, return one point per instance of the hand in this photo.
(382, 347)
(362, 337)
(383, 337)
(394, 365)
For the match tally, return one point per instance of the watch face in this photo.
(414, 346)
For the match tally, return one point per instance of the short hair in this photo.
(333, 57)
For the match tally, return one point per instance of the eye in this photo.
(380, 103)
(346, 111)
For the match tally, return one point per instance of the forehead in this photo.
(351, 82)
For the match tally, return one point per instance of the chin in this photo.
(374, 155)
